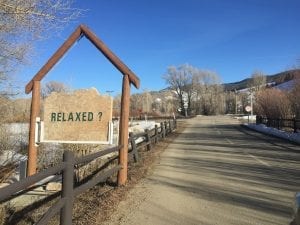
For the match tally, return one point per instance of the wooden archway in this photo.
(128, 78)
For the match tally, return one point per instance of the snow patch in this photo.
(141, 126)
(295, 137)
(286, 86)
(10, 156)
(18, 128)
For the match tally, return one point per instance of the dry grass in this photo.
(6, 171)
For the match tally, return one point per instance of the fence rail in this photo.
(278, 123)
(66, 168)
(150, 137)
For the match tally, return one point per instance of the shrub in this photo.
(294, 96)
(273, 103)
(5, 140)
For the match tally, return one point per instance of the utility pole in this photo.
(235, 92)
(251, 102)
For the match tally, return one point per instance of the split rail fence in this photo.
(150, 137)
(66, 168)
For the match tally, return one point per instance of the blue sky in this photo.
(231, 37)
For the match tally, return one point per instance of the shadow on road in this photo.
(233, 166)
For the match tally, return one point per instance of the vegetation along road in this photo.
(217, 172)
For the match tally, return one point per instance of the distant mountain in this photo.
(286, 86)
(276, 79)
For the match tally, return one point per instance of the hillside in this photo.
(278, 79)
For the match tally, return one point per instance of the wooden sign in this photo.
(82, 116)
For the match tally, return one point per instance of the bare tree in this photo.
(147, 101)
(182, 80)
(178, 79)
(136, 105)
(199, 89)
(24, 22)
(273, 103)
(54, 86)
(257, 81)
(117, 105)
(209, 98)
(4, 109)
(230, 102)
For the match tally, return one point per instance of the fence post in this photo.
(67, 188)
(163, 132)
(268, 123)
(156, 133)
(23, 165)
(170, 126)
(166, 128)
(295, 125)
(148, 139)
(133, 146)
(175, 123)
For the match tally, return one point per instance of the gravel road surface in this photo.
(217, 173)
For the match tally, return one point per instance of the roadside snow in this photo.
(139, 127)
(9, 156)
(18, 128)
(252, 118)
(286, 86)
(294, 137)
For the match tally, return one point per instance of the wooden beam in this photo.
(123, 131)
(35, 112)
(110, 56)
(54, 59)
(68, 44)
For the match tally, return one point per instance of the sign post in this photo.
(35, 112)
(248, 109)
(123, 131)
(185, 105)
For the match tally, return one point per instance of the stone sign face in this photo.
(80, 116)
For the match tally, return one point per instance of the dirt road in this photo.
(217, 173)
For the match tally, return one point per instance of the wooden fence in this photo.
(150, 137)
(278, 123)
(66, 168)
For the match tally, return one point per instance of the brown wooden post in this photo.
(156, 134)
(134, 148)
(295, 124)
(123, 130)
(166, 128)
(148, 139)
(170, 126)
(34, 113)
(67, 188)
(162, 130)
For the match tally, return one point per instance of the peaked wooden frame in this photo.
(128, 78)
